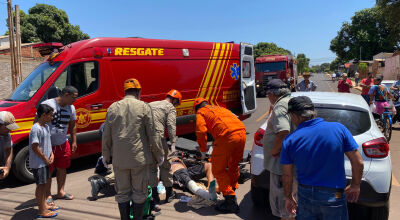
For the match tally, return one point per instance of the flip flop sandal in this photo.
(50, 200)
(54, 208)
(51, 215)
(67, 196)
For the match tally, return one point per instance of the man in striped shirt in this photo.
(64, 117)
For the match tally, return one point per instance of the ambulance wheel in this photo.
(21, 166)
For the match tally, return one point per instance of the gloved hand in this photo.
(203, 155)
(161, 161)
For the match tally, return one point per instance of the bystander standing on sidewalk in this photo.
(366, 84)
(7, 124)
(356, 78)
(344, 84)
(316, 149)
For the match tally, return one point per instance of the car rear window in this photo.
(356, 121)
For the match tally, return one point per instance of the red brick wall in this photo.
(26, 51)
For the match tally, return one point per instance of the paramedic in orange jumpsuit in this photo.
(229, 135)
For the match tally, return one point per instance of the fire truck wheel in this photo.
(21, 166)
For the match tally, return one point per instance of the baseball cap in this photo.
(300, 103)
(276, 84)
(7, 119)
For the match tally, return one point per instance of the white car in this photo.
(352, 111)
(388, 83)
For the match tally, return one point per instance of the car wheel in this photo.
(21, 167)
(260, 197)
(380, 213)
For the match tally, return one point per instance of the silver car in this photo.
(352, 111)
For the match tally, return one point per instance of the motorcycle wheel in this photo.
(387, 130)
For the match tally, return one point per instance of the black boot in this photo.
(169, 194)
(124, 210)
(156, 200)
(230, 205)
(97, 183)
(138, 210)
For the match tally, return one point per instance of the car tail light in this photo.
(258, 137)
(377, 148)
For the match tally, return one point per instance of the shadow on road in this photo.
(25, 214)
(249, 211)
(77, 165)
(28, 204)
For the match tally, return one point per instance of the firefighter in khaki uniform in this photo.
(129, 137)
(165, 118)
(229, 135)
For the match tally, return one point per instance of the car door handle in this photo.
(96, 106)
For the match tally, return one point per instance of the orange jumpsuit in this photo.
(229, 140)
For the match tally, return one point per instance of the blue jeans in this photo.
(321, 203)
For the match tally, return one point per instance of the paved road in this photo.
(17, 200)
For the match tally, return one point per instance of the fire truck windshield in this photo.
(33, 82)
(271, 67)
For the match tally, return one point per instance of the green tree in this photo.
(324, 67)
(390, 10)
(334, 65)
(46, 23)
(265, 48)
(368, 30)
(302, 63)
(363, 68)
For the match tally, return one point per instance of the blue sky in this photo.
(305, 26)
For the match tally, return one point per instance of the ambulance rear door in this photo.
(248, 80)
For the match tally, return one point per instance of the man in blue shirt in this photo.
(316, 149)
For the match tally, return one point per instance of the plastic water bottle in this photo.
(160, 188)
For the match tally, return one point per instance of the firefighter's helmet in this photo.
(131, 84)
(175, 94)
(198, 101)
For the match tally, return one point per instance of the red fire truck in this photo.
(223, 73)
(269, 67)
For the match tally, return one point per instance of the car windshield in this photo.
(357, 122)
(33, 82)
(271, 67)
(387, 85)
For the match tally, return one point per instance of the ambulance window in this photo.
(246, 69)
(83, 76)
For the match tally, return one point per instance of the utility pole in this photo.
(18, 50)
(360, 52)
(12, 46)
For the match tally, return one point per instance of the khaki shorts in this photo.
(277, 196)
